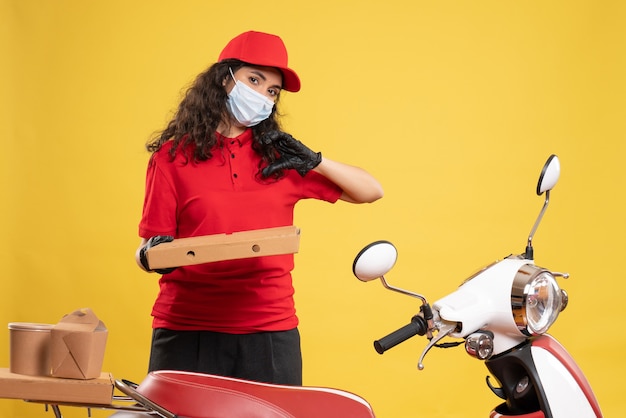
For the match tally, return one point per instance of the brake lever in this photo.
(445, 329)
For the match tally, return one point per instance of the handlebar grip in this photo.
(417, 326)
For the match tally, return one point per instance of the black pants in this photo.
(271, 357)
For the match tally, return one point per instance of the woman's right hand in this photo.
(142, 259)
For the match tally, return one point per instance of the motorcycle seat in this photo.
(198, 395)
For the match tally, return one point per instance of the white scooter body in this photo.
(567, 390)
(483, 303)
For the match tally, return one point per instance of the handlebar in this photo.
(417, 326)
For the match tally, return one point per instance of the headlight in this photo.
(536, 300)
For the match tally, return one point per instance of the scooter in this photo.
(501, 314)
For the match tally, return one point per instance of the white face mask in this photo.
(248, 106)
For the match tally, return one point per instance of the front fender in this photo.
(539, 375)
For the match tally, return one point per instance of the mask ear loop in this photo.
(232, 75)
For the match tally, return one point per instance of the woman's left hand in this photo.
(293, 154)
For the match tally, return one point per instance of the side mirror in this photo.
(547, 180)
(374, 261)
(549, 175)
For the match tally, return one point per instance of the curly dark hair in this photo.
(201, 111)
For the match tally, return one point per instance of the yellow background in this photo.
(453, 105)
